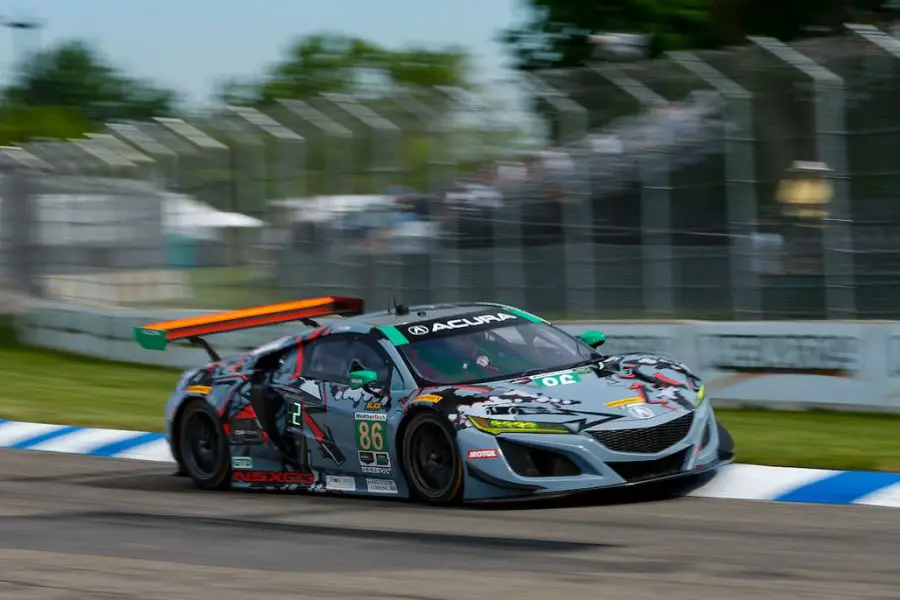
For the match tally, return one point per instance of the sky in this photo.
(189, 45)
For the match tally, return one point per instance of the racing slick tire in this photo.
(203, 447)
(431, 460)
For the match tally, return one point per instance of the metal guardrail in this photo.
(835, 364)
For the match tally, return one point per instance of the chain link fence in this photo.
(754, 183)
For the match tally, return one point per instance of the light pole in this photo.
(20, 29)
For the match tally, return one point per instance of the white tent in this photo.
(187, 217)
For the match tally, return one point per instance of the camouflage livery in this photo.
(325, 410)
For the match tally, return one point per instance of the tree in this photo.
(556, 33)
(376, 76)
(340, 64)
(73, 83)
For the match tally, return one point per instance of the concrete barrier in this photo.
(787, 364)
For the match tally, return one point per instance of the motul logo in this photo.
(274, 477)
(477, 454)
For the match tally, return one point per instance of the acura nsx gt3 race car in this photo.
(441, 404)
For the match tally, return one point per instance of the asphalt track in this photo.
(77, 527)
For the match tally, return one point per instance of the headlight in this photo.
(498, 426)
(701, 395)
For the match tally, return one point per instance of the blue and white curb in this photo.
(736, 482)
(111, 443)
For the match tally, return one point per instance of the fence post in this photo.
(143, 165)
(507, 261)
(578, 209)
(105, 155)
(195, 142)
(20, 262)
(831, 143)
(385, 139)
(740, 174)
(331, 129)
(144, 142)
(656, 203)
(388, 266)
(431, 121)
(285, 140)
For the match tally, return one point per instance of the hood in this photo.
(625, 392)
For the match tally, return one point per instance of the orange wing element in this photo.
(156, 336)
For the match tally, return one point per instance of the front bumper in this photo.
(568, 464)
(672, 478)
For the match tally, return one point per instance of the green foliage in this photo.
(19, 123)
(329, 63)
(70, 89)
(556, 33)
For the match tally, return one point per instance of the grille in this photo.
(650, 469)
(647, 440)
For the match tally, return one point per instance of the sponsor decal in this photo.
(498, 426)
(433, 398)
(810, 354)
(339, 483)
(361, 416)
(625, 402)
(246, 431)
(371, 444)
(241, 462)
(378, 405)
(203, 390)
(375, 463)
(381, 486)
(555, 380)
(296, 414)
(475, 320)
(280, 477)
(479, 454)
(640, 411)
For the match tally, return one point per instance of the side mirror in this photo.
(360, 379)
(594, 339)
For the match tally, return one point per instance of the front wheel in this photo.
(431, 460)
(203, 447)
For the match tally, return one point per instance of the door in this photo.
(321, 408)
(357, 418)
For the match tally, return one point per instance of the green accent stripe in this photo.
(393, 334)
(522, 314)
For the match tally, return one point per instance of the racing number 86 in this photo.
(369, 435)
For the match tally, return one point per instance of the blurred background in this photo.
(674, 159)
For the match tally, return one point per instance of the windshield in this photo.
(504, 352)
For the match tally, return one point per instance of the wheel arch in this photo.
(175, 434)
(407, 419)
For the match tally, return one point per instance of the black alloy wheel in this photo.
(203, 447)
(431, 460)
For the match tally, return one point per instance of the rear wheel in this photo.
(203, 447)
(431, 460)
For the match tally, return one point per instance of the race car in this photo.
(443, 404)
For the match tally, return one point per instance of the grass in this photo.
(824, 440)
(51, 387)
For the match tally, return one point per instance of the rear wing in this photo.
(157, 336)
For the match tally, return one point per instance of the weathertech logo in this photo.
(479, 454)
(459, 323)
